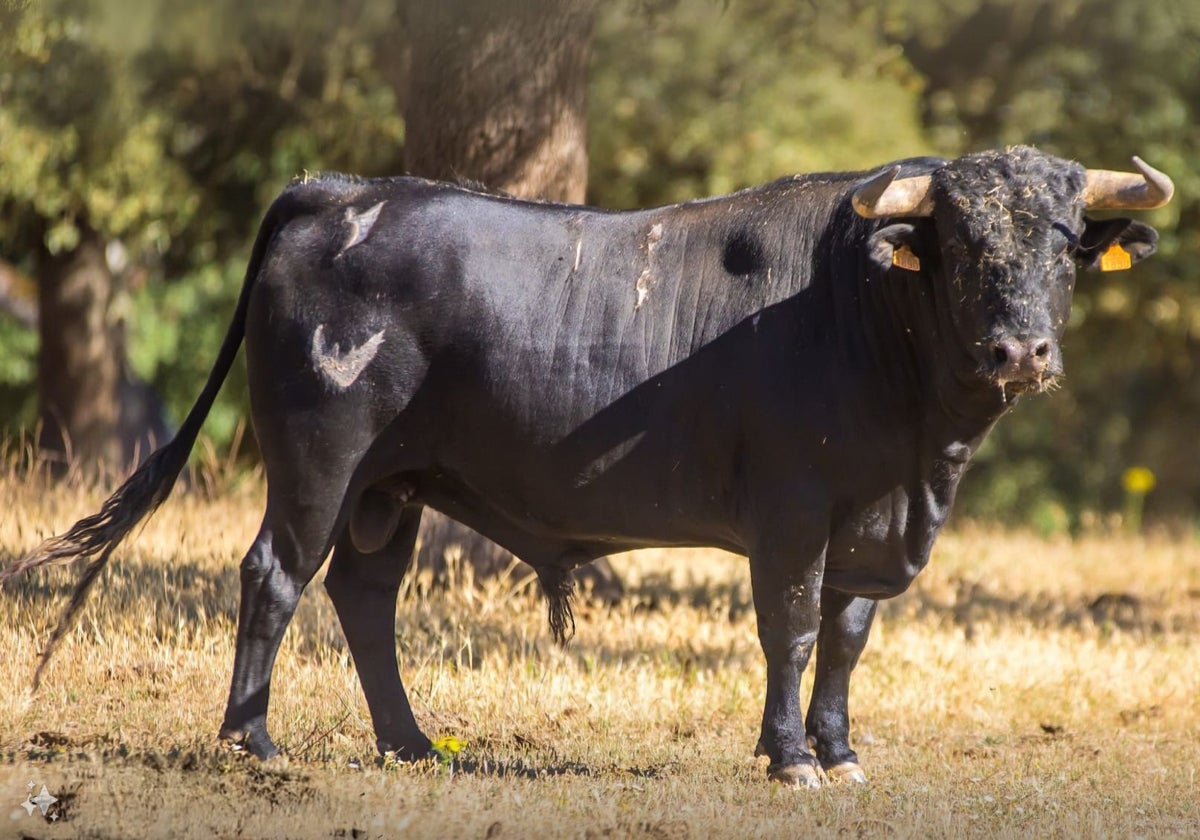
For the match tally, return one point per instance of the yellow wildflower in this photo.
(448, 747)
(1138, 480)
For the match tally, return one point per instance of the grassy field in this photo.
(1022, 688)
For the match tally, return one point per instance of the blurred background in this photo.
(142, 140)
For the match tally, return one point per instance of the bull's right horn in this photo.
(886, 195)
(1109, 190)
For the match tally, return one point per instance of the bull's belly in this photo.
(538, 516)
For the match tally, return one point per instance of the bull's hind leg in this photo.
(302, 511)
(363, 588)
(845, 625)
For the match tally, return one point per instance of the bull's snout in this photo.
(1022, 359)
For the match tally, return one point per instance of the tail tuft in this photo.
(95, 537)
(139, 496)
(558, 586)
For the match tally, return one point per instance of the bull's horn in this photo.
(1109, 190)
(886, 195)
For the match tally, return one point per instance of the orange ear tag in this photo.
(1115, 258)
(903, 257)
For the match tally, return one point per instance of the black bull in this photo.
(798, 372)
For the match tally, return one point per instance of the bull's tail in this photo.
(96, 537)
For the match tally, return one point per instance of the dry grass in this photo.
(1022, 688)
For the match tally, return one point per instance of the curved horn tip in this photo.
(868, 193)
(1159, 180)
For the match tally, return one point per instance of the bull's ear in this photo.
(895, 245)
(1113, 244)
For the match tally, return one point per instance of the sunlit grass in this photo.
(1022, 687)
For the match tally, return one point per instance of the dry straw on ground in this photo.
(1023, 688)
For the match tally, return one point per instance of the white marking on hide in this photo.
(578, 253)
(648, 278)
(360, 225)
(343, 369)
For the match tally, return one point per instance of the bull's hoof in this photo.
(795, 775)
(405, 754)
(848, 772)
(253, 741)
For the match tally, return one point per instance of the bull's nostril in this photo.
(1042, 349)
(1000, 354)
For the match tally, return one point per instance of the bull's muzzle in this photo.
(1024, 362)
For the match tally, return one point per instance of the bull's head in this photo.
(1003, 233)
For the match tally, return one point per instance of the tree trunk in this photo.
(497, 93)
(80, 359)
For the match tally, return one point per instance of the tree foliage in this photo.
(80, 146)
(707, 97)
(169, 126)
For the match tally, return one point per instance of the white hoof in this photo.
(796, 775)
(847, 771)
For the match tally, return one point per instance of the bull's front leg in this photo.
(845, 625)
(787, 596)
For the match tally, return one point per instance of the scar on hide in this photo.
(343, 369)
(605, 461)
(360, 225)
(648, 277)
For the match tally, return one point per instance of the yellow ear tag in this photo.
(903, 257)
(1115, 258)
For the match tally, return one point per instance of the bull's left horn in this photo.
(1109, 190)
(886, 195)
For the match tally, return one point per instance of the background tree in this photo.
(80, 166)
(496, 92)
